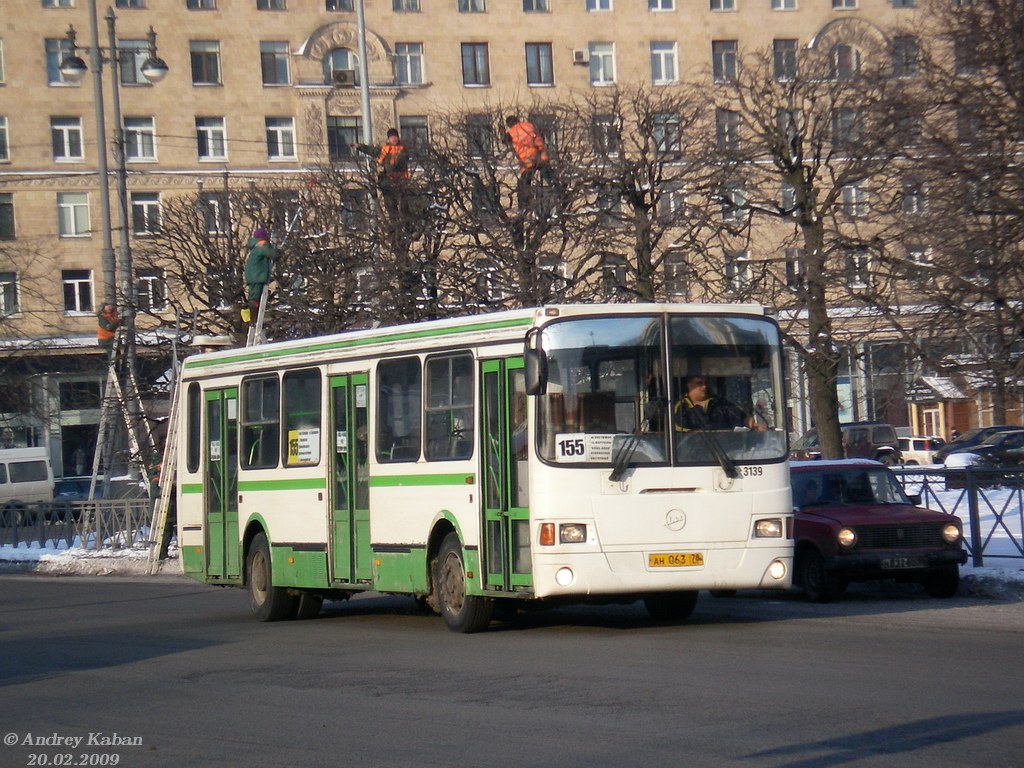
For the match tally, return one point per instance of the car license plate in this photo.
(899, 563)
(674, 559)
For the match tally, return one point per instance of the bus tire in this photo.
(820, 585)
(307, 606)
(460, 611)
(671, 606)
(268, 603)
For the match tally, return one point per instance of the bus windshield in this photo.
(681, 390)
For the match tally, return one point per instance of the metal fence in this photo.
(990, 500)
(106, 524)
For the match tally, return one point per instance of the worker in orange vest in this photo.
(392, 169)
(528, 145)
(107, 322)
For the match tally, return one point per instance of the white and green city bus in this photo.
(530, 455)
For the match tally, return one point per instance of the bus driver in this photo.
(700, 410)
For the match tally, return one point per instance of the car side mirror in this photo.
(915, 499)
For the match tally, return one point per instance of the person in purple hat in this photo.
(257, 267)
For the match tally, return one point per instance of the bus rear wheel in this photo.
(671, 606)
(268, 603)
(461, 612)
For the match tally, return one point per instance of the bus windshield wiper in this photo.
(723, 458)
(624, 455)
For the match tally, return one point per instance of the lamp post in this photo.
(153, 69)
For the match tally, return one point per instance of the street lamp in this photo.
(73, 68)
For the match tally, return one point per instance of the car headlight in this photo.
(846, 537)
(769, 528)
(572, 533)
(950, 533)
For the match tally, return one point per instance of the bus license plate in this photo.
(674, 559)
(899, 563)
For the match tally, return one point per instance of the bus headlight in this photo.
(777, 570)
(769, 528)
(846, 537)
(564, 577)
(950, 533)
(572, 533)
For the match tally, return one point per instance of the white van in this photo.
(25, 477)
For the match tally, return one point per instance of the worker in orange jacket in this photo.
(392, 169)
(107, 322)
(529, 147)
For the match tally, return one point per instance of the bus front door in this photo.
(220, 489)
(350, 482)
(506, 480)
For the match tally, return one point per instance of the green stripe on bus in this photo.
(191, 487)
(267, 354)
(400, 481)
(299, 484)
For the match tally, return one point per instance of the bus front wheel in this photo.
(461, 612)
(268, 603)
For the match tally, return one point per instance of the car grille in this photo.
(893, 536)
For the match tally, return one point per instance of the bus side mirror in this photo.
(536, 372)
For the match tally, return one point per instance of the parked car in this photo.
(968, 440)
(25, 480)
(67, 491)
(919, 450)
(861, 440)
(853, 522)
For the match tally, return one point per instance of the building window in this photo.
(66, 138)
(339, 5)
(722, 5)
(132, 54)
(269, 5)
(904, 3)
(409, 63)
(536, 6)
(784, 59)
(73, 214)
(727, 130)
(77, 285)
(58, 4)
(599, 5)
(904, 56)
(967, 59)
(474, 64)
(738, 274)
(663, 63)
(844, 5)
(129, 4)
(472, 6)
(912, 197)
(274, 62)
(676, 273)
(145, 213)
(405, 6)
(538, 64)
(858, 269)
(139, 138)
(479, 136)
(341, 67)
(6, 216)
(205, 57)
(415, 134)
(57, 49)
(214, 209)
(845, 62)
(201, 5)
(605, 135)
(5, 145)
(734, 203)
(854, 201)
(723, 60)
(661, 5)
(613, 275)
(211, 138)
(665, 132)
(152, 291)
(845, 127)
(280, 138)
(794, 267)
(8, 293)
(342, 134)
(1, 61)
(602, 63)
(783, 5)
(787, 198)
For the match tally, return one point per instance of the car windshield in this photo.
(852, 485)
(616, 386)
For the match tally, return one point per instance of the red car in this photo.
(853, 522)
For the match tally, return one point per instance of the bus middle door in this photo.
(505, 491)
(221, 485)
(350, 482)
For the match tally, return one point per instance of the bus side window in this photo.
(302, 413)
(449, 408)
(398, 410)
(260, 423)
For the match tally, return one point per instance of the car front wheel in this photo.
(820, 584)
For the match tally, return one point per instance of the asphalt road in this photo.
(178, 674)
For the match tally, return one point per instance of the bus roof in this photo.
(493, 326)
